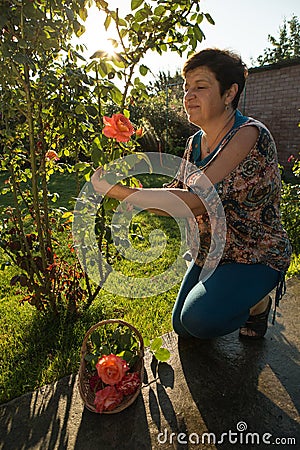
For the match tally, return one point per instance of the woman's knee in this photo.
(199, 325)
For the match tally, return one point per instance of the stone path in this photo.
(212, 394)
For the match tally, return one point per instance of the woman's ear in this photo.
(231, 93)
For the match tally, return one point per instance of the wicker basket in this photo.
(84, 375)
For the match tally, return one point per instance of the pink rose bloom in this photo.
(107, 399)
(118, 127)
(111, 369)
(129, 384)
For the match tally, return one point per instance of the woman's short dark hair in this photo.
(226, 65)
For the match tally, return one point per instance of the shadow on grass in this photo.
(49, 349)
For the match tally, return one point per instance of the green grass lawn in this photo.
(37, 349)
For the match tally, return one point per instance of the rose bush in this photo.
(111, 369)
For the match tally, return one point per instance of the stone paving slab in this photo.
(221, 393)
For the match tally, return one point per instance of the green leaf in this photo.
(159, 10)
(78, 28)
(197, 33)
(126, 355)
(90, 357)
(135, 4)
(91, 65)
(104, 67)
(81, 166)
(83, 14)
(20, 58)
(156, 344)
(116, 95)
(79, 109)
(122, 22)
(96, 155)
(126, 113)
(162, 354)
(95, 338)
(123, 32)
(105, 350)
(199, 18)
(146, 342)
(92, 111)
(114, 42)
(67, 215)
(136, 26)
(107, 22)
(143, 70)
(70, 14)
(102, 3)
(209, 19)
(141, 15)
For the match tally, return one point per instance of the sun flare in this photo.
(96, 38)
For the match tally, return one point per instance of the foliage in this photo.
(290, 208)
(112, 339)
(155, 346)
(286, 46)
(50, 104)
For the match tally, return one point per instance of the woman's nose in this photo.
(189, 94)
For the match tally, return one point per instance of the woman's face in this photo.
(202, 99)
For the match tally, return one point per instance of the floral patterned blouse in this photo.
(250, 196)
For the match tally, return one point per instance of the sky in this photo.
(240, 25)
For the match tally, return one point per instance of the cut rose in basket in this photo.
(129, 384)
(107, 399)
(111, 369)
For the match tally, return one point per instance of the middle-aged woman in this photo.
(238, 155)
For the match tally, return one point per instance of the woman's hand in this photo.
(99, 183)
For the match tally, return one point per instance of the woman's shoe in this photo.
(257, 323)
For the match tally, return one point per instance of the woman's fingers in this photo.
(99, 183)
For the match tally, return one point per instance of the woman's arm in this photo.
(178, 202)
(162, 201)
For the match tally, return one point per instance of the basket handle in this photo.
(104, 322)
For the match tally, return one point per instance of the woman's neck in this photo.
(213, 133)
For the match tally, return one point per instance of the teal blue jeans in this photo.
(221, 304)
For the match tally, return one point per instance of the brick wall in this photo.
(272, 95)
